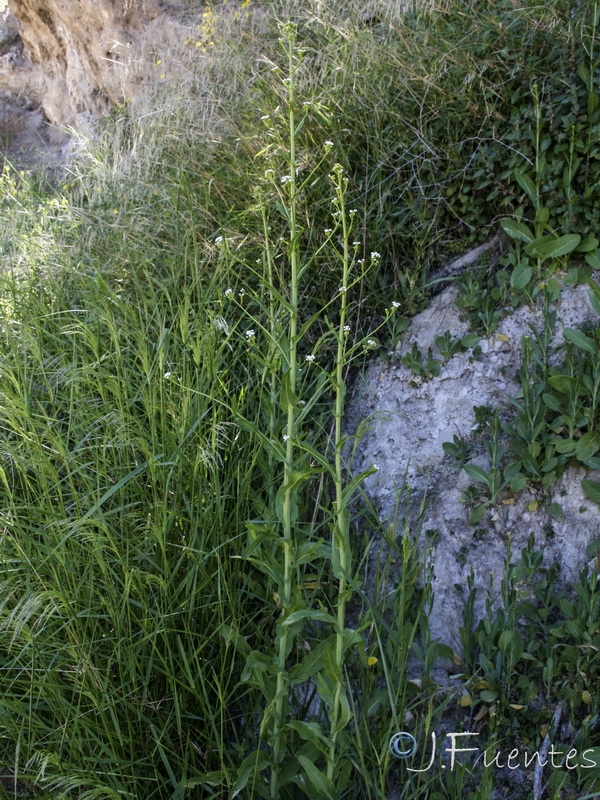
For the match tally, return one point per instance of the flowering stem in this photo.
(287, 539)
(272, 348)
(341, 553)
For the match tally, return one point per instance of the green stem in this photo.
(287, 538)
(341, 539)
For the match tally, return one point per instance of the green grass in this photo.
(157, 310)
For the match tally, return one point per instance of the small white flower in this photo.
(375, 255)
(356, 244)
(310, 358)
(250, 333)
(395, 304)
(327, 231)
(375, 467)
(242, 292)
(341, 290)
(269, 172)
(285, 437)
(228, 292)
(328, 143)
(346, 328)
(353, 211)
(360, 261)
(219, 240)
(286, 178)
(371, 342)
(301, 402)
(307, 103)
(265, 116)
(168, 375)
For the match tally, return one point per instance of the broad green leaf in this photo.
(584, 73)
(527, 185)
(318, 779)
(553, 247)
(521, 275)
(592, 489)
(477, 474)
(476, 514)
(286, 502)
(469, 340)
(287, 397)
(310, 732)
(562, 383)
(593, 548)
(593, 260)
(587, 446)
(312, 662)
(564, 445)
(580, 340)
(555, 510)
(549, 464)
(587, 245)
(308, 613)
(542, 215)
(594, 294)
(253, 762)
(488, 696)
(518, 482)
(552, 402)
(516, 230)
(231, 635)
(308, 552)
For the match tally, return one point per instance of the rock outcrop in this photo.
(75, 53)
(409, 420)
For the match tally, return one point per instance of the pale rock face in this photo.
(75, 53)
(407, 425)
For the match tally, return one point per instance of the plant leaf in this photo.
(516, 230)
(553, 247)
(318, 779)
(528, 186)
(592, 489)
(477, 474)
(587, 446)
(580, 340)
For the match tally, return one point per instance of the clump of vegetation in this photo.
(184, 606)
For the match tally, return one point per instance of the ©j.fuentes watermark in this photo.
(403, 745)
